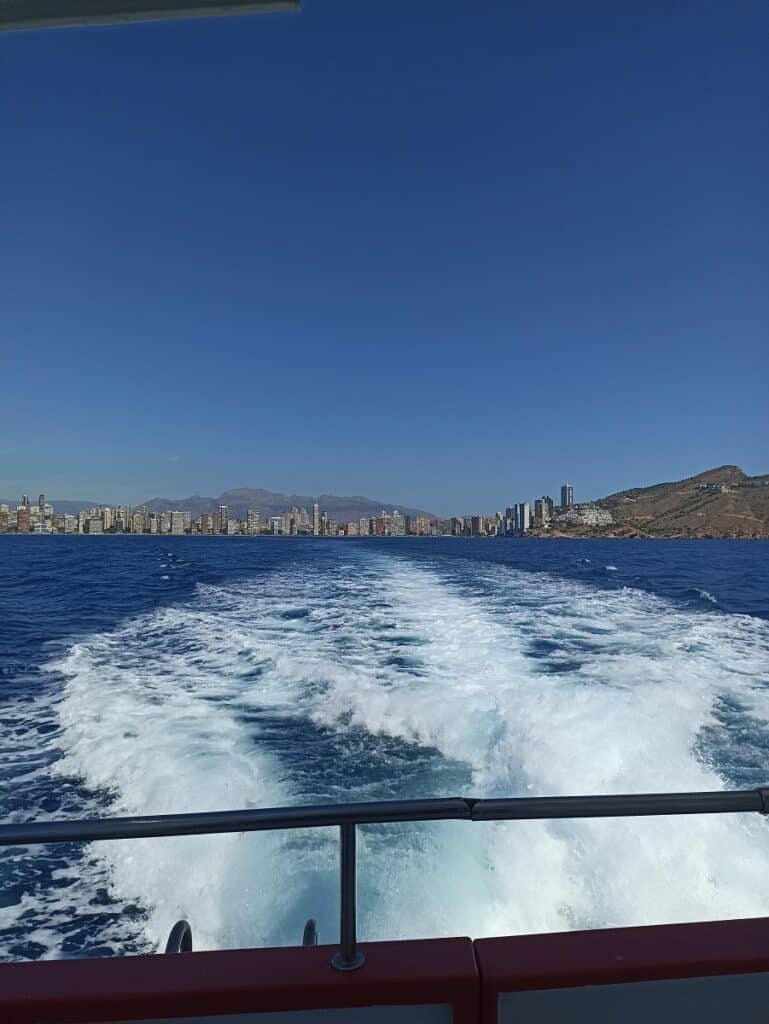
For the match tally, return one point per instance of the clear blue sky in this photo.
(448, 254)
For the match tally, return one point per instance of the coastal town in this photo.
(519, 519)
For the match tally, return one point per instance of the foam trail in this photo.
(379, 677)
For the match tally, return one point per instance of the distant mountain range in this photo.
(269, 503)
(273, 503)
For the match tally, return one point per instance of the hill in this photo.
(273, 503)
(721, 502)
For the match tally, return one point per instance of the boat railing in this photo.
(347, 817)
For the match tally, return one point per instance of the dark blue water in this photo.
(146, 675)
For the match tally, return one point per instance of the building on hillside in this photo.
(588, 515)
(567, 496)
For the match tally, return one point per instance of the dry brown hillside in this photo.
(721, 502)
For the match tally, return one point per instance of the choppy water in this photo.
(149, 675)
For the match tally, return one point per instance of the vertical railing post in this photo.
(348, 958)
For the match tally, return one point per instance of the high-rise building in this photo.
(23, 518)
(423, 526)
(523, 516)
(542, 510)
(323, 524)
(253, 521)
(478, 528)
(364, 526)
(567, 496)
(41, 506)
(397, 525)
(316, 519)
(224, 516)
(177, 522)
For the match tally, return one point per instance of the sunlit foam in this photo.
(502, 682)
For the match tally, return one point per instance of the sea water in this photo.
(147, 675)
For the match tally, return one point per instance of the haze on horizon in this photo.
(390, 249)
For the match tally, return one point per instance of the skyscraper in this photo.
(316, 519)
(567, 496)
(224, 516)
(254, 521)
(523, 516)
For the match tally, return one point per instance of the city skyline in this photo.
(467, 507)
(518, 519)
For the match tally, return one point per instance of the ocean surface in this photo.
(152, 675)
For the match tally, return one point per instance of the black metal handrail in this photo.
(348, 816)
(180, 939)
